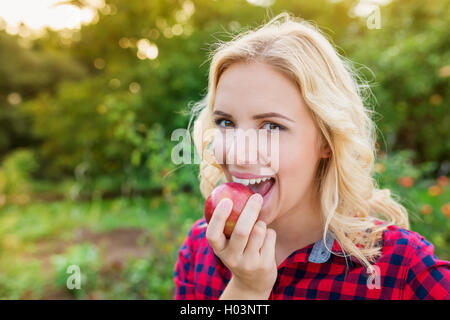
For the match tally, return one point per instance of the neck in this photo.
(299, 227)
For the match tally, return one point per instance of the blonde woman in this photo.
(319, 228)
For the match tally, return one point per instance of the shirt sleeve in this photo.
(428, 277)
(184, 271)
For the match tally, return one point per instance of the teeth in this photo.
(246, 182)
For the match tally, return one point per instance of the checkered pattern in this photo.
(407, 269)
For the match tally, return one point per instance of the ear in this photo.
(324, 147)
(326, 151)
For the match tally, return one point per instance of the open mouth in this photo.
(261, 185)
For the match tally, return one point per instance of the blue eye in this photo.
(270, 126)
(223, 123)
(273, 126)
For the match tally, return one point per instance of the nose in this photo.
(255, 147)
(247, 148)
(244, 147)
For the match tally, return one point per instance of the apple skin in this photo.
(238, 193)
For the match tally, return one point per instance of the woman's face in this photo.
(256, 96)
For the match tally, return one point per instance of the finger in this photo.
(214, 231)
(245, 223)
(256, 239)
(268, 248)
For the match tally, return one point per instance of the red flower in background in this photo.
(442, 181)
(406, 182)
(426, 209)
(446, 210)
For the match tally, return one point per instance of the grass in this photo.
(23, 230)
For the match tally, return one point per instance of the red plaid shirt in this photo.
(407, 269)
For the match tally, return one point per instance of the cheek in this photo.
(298, 160)
(297, 165)
(219, 146)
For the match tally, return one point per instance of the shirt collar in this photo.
(315, 252)
(320, 253)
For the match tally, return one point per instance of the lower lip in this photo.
(267, 195)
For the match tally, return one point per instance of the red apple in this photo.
(238, 193)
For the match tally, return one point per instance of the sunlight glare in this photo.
(39, 15)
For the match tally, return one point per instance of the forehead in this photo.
(256, 88)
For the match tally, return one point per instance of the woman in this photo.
(321, 229)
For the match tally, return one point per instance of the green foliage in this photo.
(16, 172)
(84, 256)
(97, 122)
(96, 117)
(408, 57)
(21, 281)
(426, 199)
(23, 228)
(25, 71)
(146, 279)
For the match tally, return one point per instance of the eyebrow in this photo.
(258, 116)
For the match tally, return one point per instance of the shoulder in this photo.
(190, 249)
(397, 237)
(195, 239)
(184, 273)
(425, 275)
(197, 232)
(410, 243)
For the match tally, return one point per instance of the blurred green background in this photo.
(88, 105)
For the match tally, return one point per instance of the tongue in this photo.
(262, 187)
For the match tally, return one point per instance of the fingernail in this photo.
(261, 223)
(227, 203)
(257, 197)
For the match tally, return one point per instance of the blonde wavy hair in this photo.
(350, 199)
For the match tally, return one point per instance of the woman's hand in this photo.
(250, 251)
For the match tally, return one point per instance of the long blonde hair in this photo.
(349, 196)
